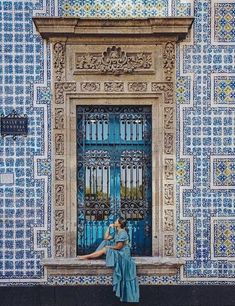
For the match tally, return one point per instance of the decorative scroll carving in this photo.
(169, 169)
(61, 88)
(112, 61)
(113, 86)
(59, 195)
(168, 117)
(137, 86)
(59, 169)
(169, 220)
(59, 220)
(90, 86)
(59, 246)
(167, 88)
(59, 144)
(168, 143)
(169, 60)
(169, 245)
(169, 194)
(59, 118)
(59, 60)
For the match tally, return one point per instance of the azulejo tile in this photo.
(224, 22)
(224, 172)
(224, 238)
(224, 92)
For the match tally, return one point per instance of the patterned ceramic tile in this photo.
(224, 22)
(205, 135)
(224, 90)
(224, 238)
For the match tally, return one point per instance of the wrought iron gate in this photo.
(114, 174)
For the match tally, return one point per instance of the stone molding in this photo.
(100, 72)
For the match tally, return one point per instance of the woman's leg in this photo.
(94, 254)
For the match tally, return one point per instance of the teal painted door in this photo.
(114, 174)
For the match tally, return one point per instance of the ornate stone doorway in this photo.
(113, 62)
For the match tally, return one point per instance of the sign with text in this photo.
(14, 125)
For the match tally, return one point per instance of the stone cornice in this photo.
(50, 27)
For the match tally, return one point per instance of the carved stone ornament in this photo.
(59, 195)
(168, 143)
(137, 86)
(114, 86)
(169, 220)
(168, 117)
(59, 169)
(166, 88)
(112, 61)
(169, 169)
(59, 60)
(59, 220)
(59, 246)
(61, 88)
(90, 86)
(59, 144)
(169, 194)
(59, 118)
(169, 60)
(169, 245)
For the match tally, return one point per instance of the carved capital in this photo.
(59, 60)
(137, 86)
(169, 245)
(59, 118)
(166, 88)
(59, 220)
(59, 195)
(59, 144)
(61, 88)
(169, 220)
(59, 246)
(59, 169)
(169, 60)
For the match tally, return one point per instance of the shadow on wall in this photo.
(103, 295)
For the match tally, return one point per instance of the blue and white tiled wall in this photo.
(205, 100)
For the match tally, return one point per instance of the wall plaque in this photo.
(14, 125)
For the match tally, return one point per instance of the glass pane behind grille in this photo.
(114, 174)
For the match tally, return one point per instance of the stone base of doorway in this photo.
(203, 295)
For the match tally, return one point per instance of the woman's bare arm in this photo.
(107, 236)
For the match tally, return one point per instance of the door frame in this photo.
(156, 101)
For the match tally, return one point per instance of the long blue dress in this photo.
(125, 282)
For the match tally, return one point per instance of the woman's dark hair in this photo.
(122, 222)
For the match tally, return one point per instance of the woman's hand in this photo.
(111, 225)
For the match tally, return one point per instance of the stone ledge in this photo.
(145, 266)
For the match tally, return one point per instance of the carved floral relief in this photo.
(112, 61)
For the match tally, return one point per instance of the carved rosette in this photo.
(166, 88)
(59, 60)
(169, 60)
(90, 86)
(113, 86)
(137, 86)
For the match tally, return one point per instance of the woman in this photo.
(118, 255)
